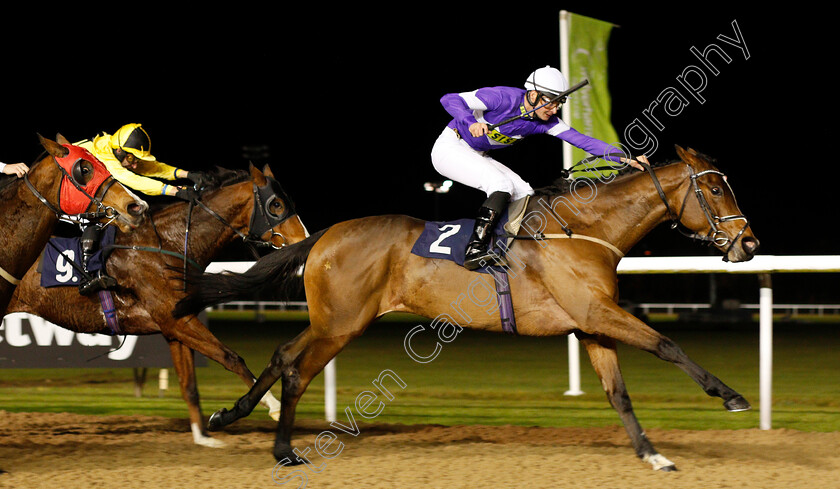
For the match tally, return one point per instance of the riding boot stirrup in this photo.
(101, 280)
(478, 253)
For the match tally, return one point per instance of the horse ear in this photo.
(267, 171)
(52, 147)
(683, 154)
(60, 139)
(256, 175)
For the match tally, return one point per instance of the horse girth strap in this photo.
(9, 277)
(601, 242)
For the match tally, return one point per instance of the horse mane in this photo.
(217, 178)
(563, 185)
(222, 177)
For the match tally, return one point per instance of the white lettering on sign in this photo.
(41, 332)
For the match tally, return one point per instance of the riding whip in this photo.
(557, 97)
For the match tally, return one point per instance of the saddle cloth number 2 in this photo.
(447, 231)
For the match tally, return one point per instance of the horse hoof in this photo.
(736, 404)
(207, 441)
(215, 423)
(660, 463)
(283, 453)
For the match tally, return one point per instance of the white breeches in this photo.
(453, 158)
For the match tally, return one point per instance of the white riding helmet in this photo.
(547, 80)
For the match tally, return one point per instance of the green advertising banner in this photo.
(589, 109)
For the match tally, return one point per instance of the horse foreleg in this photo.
(608, 319)
(191, 332)
(602, 354)
(184, 362)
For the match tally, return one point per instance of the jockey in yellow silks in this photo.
(127, 155)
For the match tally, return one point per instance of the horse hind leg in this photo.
(602, 354)
(295, 363)
(284, 355)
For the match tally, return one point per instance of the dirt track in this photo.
(69, 451)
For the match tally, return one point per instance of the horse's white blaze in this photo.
(658, 461)
(200, 439)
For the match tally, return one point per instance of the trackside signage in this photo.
(28, 341)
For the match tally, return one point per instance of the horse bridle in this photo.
(715, 236)
(103, 211)
(261, 220)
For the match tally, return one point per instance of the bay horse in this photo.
(30, 207)
(356, 271)
(148, 264)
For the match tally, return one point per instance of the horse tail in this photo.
(276, 275)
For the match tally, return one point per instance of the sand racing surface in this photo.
(54, 451)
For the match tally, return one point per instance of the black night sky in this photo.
(346, 99)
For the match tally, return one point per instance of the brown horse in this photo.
(30, 208)
(359, 270)
(150, 283)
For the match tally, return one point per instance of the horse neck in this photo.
(30, 221)
(621, 211)
(207, 235)
(640, 207)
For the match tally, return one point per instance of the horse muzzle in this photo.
(134, 215)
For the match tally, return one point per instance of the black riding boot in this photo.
(478, 251)
(100, 281)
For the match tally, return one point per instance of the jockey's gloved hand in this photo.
(187, 193)
(200, 179)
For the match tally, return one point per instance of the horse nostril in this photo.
(135, 209)
(750, 245)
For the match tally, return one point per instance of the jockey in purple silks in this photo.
(461, 151)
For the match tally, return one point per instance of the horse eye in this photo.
(276, 206)
(716, 191)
